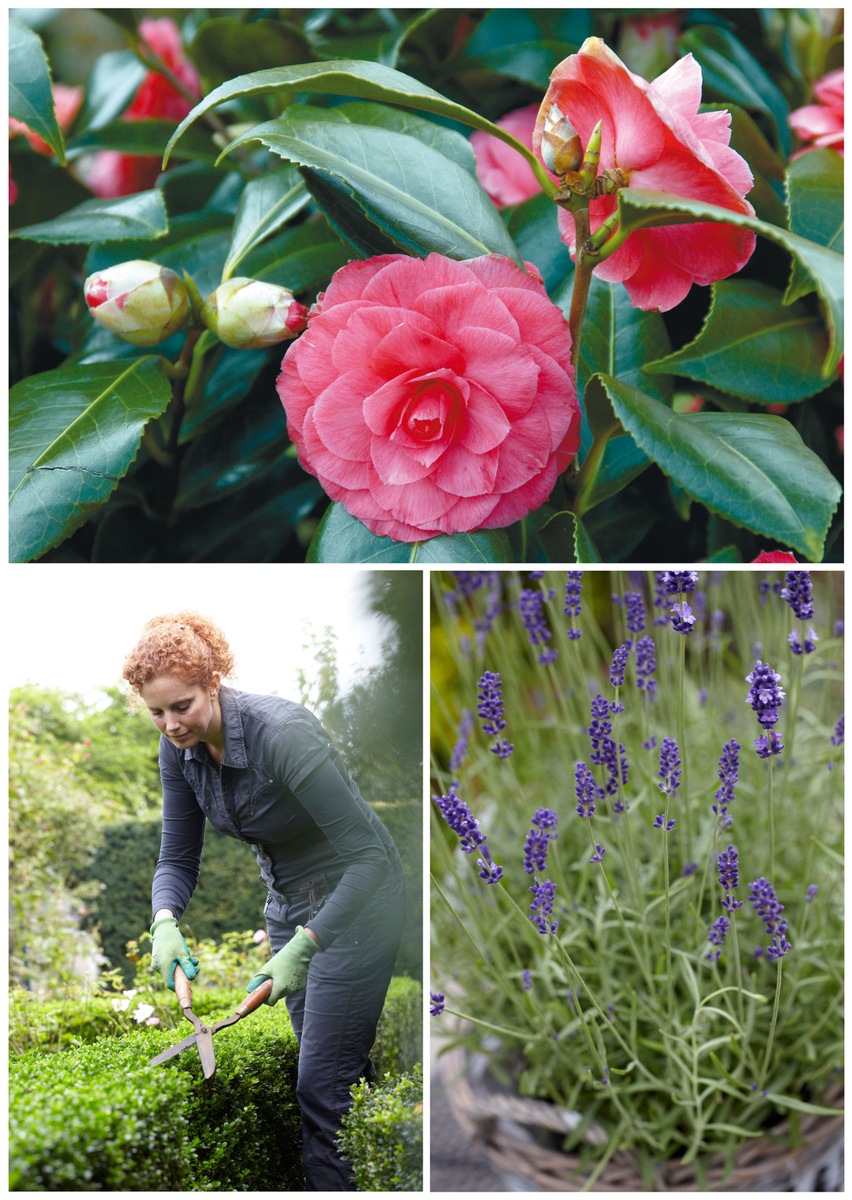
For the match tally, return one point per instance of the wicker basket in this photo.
(514, 1133)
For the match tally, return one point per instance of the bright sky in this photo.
(71, 627)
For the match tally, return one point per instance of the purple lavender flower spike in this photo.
(463, 740)
(765, 695)
(598, 854)
(538, 839)
(573, 605)
(837, 736)
(716, 935)
(490, 709)
(541, 908)
(660, 822)
(538, 632)
(778, 947)
(646, 665)
(766, 904)
(811, 892)
(436, 1006)
(605, 753)
(587, 791)
(798, 647)
(619, 665)
(729, 773)
(463, 823)
(768, 744)
(670, 767)
(635, 606)
(679, 581)
(683, 618)
(798, 592)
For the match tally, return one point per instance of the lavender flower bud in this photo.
(765, 696)
(436, 1006)
(619, 665)
(573, 607)
(683, 618)
(716, 937)
(587, 791)
(679, 581)
(670, 767)
(532, 614)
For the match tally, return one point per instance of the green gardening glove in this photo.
(288, 969)
(169, 948)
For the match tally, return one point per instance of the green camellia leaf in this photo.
(640, 209)
(617, 340)
(73, 434)
(140, 216)
(815, 197)
(30, 87)
(224, 46)
(266, 204)
(753, 346)
(361, 80)
(140, 137)
(417, 196)
(752, 468)
(343, 538)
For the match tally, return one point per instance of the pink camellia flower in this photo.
(775, 556)
(503, 174)
(110, 173)
(654, 133)
(430, 396)
(822, 123)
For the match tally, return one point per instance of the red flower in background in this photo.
(430, 396)
(654, 134)
(503, 174)
(775, 556)
(822, 123)
(109, 173)
(66, 105)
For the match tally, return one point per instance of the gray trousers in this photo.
(335, 1016)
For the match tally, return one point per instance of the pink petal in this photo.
(394, 464)
(409, 345)
(339, 417)
(464, 474)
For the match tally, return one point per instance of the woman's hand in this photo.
(288, 969)
(170, 948)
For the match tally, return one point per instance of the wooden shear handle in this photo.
(254, 999)
(182, 989)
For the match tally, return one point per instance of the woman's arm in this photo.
(178, 865)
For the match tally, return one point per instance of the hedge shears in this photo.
(203, 1036)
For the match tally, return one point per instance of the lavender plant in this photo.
(674, 976)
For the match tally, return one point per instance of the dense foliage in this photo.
(383, 1134)
(299, 140)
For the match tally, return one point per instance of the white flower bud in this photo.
(247, 314)
(140, 302)
(561, 149)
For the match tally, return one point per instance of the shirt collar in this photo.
(234, 754)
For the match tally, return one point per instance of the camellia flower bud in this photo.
(248, 314)
(561, 149)
(140, 302)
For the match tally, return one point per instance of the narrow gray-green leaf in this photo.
(417, 195)
(361, 80)
(73, 434)
(640, 209)
(753, 469)
(266, 204)
(30, 87)
(140, 216)
(754, 346)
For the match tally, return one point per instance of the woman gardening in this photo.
(261, 769)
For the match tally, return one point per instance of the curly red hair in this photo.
(184, 644)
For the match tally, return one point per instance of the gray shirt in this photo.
(283, 788)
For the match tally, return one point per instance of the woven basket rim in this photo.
(761, 1164)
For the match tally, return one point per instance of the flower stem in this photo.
(583, 268)
(772, 1025)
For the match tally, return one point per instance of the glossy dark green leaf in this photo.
(302, 258)
(415, 195)
(357, 79)
(640, 209)
(731, 72)
(30, 88)
(343, 538)
(266, 204)
(73, 434)
(513, 42)
(401, 120)
(140, 216)
(753, 346)
(617, 340)
(815, 191)
(751, 468)
(336, 200)
(113, 82)
(195, 242)
(141, 137)
(227, 457)
(226, 46)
